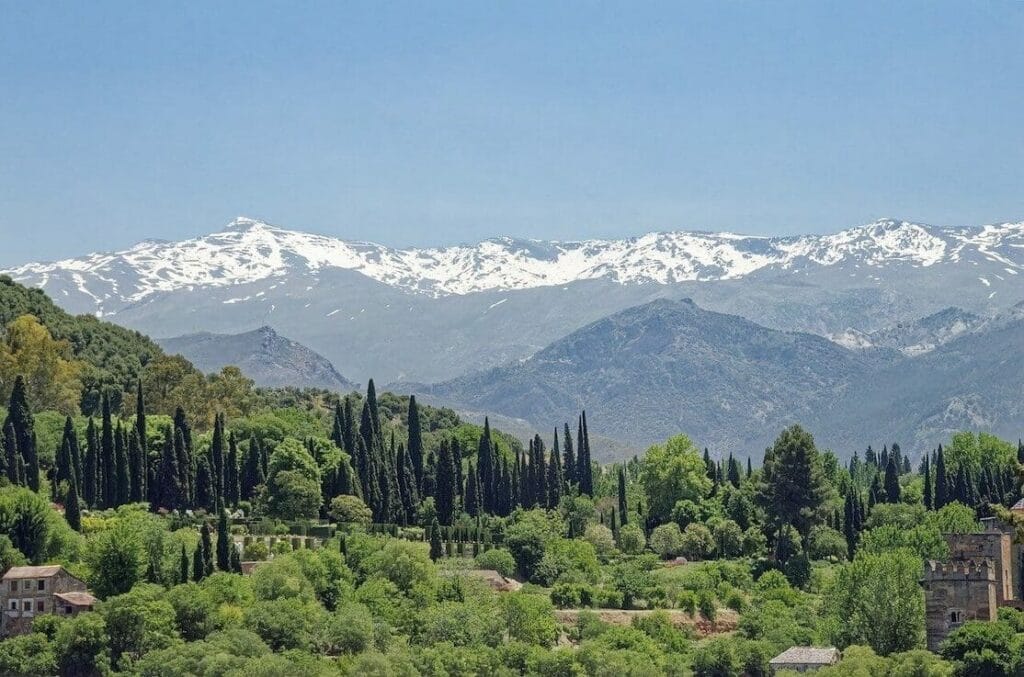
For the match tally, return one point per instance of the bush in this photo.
(602, 539)
(716, 658)
(667, 540)
(572, 595)
(499, 559)
(256, 551)
(631, 539)
(567, 556)
(687, 601)
(707, 604)
(608, 598)
(697, 542)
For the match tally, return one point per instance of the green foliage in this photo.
(527, 538)
(990, 649)
(564, 556)
(672, 472)
(667, 540)
(499, 559)
(876, 600)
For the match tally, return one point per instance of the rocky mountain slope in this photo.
(263, 355)
(666, 366)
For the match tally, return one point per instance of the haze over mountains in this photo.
(750, 350)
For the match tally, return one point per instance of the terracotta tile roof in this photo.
(76, 598)
(808, 655)
(32, 572)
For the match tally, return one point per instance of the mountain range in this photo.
(829, 311)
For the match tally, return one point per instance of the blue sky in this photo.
(428, 123)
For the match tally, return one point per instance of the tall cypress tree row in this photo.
(942, 490)
(204, 496)
(444, 496)
(623, 512)
(254, 474)
(365, 448)
(338, 426)
(349, 429)
(540, 477)
(19, 416)
(108, 456)
(415, 442)
(206, 539)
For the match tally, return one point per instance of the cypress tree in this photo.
(140, 416)
(568, 458)
(942, 490)
(486, 469)
(136, 467)
(108, 456)
(236, 561)
(122, 479)
(415, 442)
(435, 541)
(8, 449)
(186, 460)
(472, 492)
(223, 542)
(349, 428)
(169, 493)
(870, 457)
(554, 479)
(206, 539)
(204, 497)
(733, 472)
(539, 488)
(71, 508)
(750, 468)
(232, 488)
(19, 415)
(91, 465)
(254, 474)
(183, 566)
(892, 480)
(64, 470)
(407, 488)
(622, 495)
(445, 492)
(583, 460)
(849, 525)
(338, 427)
(929, 502)
(198, 565)
(217, 455)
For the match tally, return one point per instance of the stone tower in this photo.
(956, 592)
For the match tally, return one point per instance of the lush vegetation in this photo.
(369, 514)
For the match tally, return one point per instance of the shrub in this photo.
(687, 601)
(697, 542)
(707, 604)
(667, 540)
(572, 595)
(499, 559)
(602, 539)
(631, 539)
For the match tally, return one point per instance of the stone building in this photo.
(805, 658)
(27, 592)
(982, 574)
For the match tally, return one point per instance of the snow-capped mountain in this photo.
(248, 251)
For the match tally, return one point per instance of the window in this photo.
(67, 610)
(26, 605)
(41, 584)
(14, 605)
(14, 586)
(40, 606)
(956, 616)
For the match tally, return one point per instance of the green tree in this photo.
(224, 544)
(81, 647)
(793, 487)
(672, 472)
(876, 600)
(984, 649)
(435, 541)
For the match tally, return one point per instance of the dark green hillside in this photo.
(114, 355)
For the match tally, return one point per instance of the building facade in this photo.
(27, 592)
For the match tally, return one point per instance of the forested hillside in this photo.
(232, 530)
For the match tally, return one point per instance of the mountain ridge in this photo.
(249, 250)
